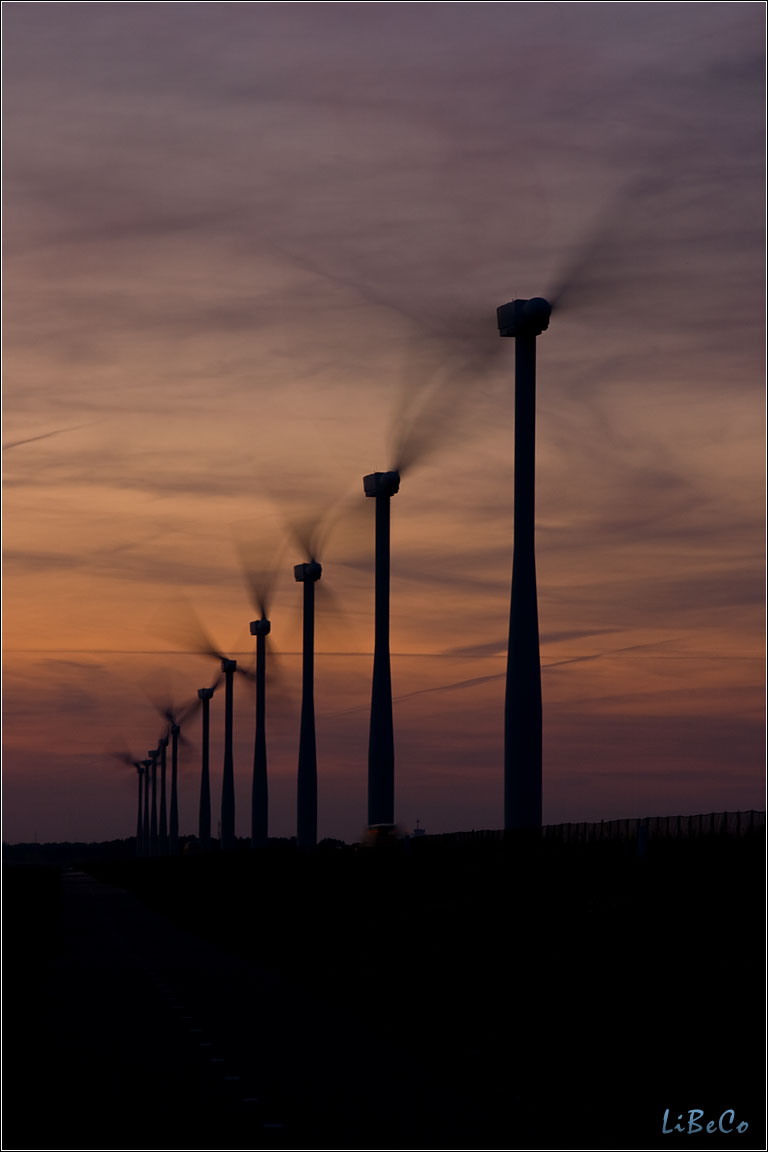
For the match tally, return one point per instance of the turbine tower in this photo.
(381, 486)
(228, 667)
(259, 792)
(163, 833)
(153, 754)
(125, 757)
(139, 823)
(199, 641)
(145, 839)
(173, 829)
(204, 827)
(523, 320)
(259, 584)
(174, 717)
(306, 796)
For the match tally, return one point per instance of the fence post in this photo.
(642, 837)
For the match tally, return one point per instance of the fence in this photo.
(650, 827)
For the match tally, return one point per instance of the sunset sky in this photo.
(253, 252)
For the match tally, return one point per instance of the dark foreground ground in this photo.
(429, 995)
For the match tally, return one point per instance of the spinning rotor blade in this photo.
(259, 581)
(181, 625)
(123, 756)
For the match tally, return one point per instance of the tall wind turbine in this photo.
(306, 796)
(523, 320)
(259, 792)
(228, 667)
(311, 536)
(381, 486)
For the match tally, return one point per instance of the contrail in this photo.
(45, 435)
(420, 692)
(500, 676)
(611, 652)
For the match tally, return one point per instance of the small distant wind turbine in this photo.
(126, 758)
(162, 843)
(153, 755)
(175, 717)
(139, 813)
(199, 641)
(145, 847)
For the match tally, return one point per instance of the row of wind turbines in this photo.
(157, 822)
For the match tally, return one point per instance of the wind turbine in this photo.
(175, 718)
(174, 715)
(205, 695)
(153, 754)
(126, 758)
(259, 791)
(524, 321)
(260, 628)
(162, 843)
(139, 814)
(260, 585)
(228, 667)
(198, 639)
(306, 795)
(310, 535)
(145, 846)
(381, 486)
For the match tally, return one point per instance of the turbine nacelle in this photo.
(228, 665)
(381, 483)
(147, 764)
(175, 729)
(261, 627)
(524, 317)
(205, 693)
(306, 573)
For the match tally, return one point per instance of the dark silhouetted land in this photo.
(424, 995)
